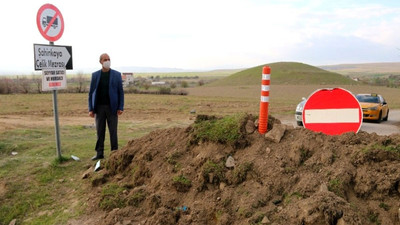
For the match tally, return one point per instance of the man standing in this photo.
(106, 103)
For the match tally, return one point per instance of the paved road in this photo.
(385, 127)
(392, 126)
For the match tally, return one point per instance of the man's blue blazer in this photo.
(116, 92)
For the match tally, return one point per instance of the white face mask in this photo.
(107, 64)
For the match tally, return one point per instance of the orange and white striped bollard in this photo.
(263, 117)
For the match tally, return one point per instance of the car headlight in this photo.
(299, 107)
(373, 108)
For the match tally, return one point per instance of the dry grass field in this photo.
(36, 109)
(284, 98)
(366, 69)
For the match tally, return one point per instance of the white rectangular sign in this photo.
(52, 56)
(331, 116)
(54, 79)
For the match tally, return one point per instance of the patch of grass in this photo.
(386, 146)
(227, 202)
(304, 155)
(173, 157)
(112, 197)
(384, 206)
(50, 174)
(21, 140)
(182, 180)
(336, 187)
(218, 215)
(365, 150)
(393, 148)
(374, 218)
(287, 198)
(37, 180)
(240, 172)
(181, 183)
(31, 198)
(225, 130)
(216, 169)
(137, 198)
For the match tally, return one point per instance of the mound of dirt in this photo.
(303, 178)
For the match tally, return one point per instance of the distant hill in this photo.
(365, 69)
(285, 73)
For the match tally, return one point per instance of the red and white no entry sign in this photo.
(332, 111)
(50, 22)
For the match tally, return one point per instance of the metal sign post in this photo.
(57, 126)
(51, 26)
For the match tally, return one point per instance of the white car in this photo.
(299, 112)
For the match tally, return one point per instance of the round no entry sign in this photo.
(50, 22)
(332, 111)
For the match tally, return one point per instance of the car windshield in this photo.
(367, 98)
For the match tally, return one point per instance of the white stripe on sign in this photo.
(264, 98)
(264, 87)
(331, 116)
(266, 76)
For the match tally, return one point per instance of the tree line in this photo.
(33, 84)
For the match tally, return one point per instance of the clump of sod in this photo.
(226, 130)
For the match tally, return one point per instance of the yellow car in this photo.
(374, 107)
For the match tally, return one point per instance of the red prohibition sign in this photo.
(50, 22)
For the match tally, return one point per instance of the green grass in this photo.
(37, 181)
(217, 169)
(285, 73)
(287, 198)
(181, 183)
(225, 130)
(240, 172)
(395, 149)
(112, 197)
(336, 186)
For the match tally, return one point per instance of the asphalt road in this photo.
(392, 126)
(385, 127)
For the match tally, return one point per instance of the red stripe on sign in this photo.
(55, 84)
(51, 22)
(336, 129)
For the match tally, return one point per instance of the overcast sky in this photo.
(206, 34)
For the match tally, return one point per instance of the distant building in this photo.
(127, 78)
(157, 83)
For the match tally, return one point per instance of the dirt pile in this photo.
(173, 177)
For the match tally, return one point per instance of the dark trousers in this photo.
(103, 116)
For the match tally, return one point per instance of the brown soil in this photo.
(306, 178)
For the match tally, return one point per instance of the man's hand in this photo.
(119, 112)
(91, 114)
